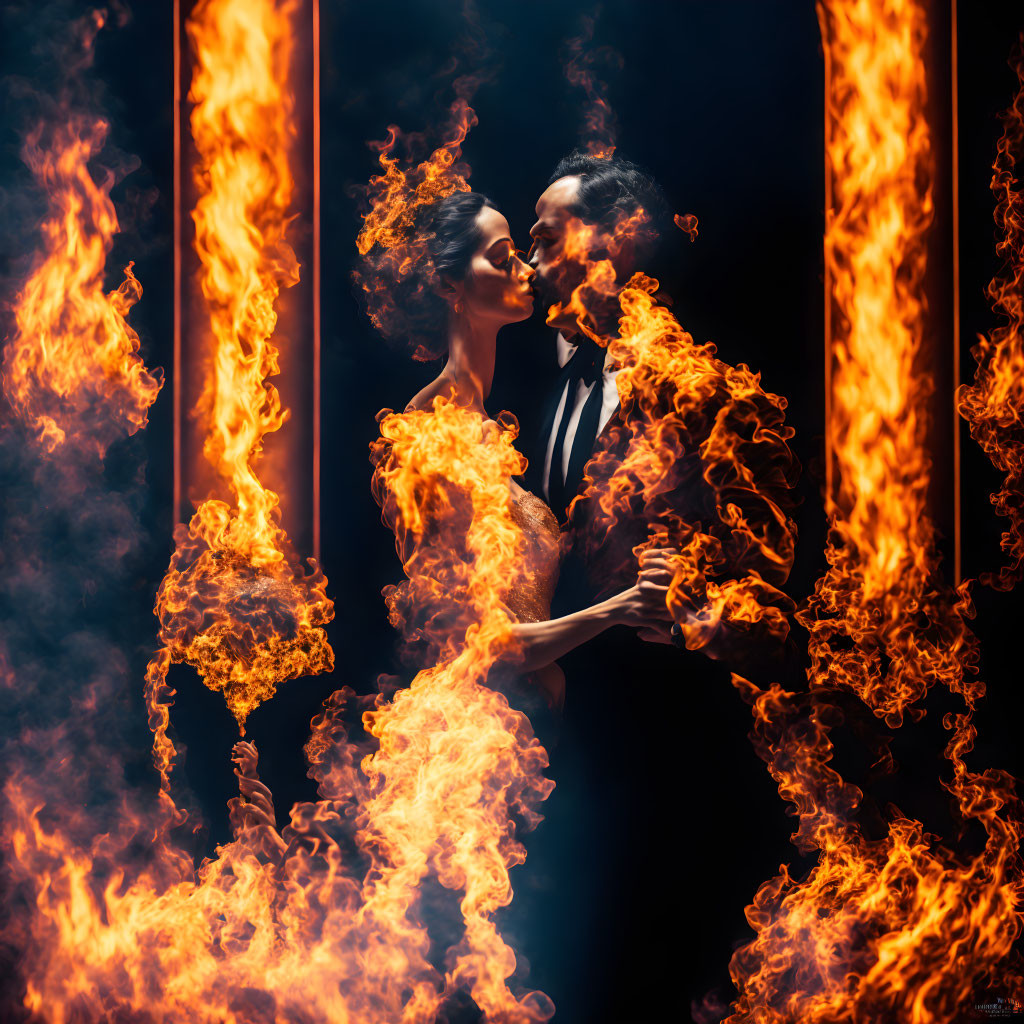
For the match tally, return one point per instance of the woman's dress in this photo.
(530, 599)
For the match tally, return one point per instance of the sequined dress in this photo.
(530, 600)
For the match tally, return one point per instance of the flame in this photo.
(73, 355)
(875, 927)
(600, 125)
(700, 460)
(455, 765)
(455, 761)
(235, 604)
(869, 933)
(686, 222)
(394, 245)
(994, 404)
(396, 195)
(322, 920)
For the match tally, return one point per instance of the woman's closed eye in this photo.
(504, 261)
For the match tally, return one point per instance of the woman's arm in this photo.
(641, 606)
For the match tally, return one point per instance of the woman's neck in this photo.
(470, 364)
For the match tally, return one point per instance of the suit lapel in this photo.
(536, 471)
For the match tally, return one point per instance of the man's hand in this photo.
(657, 634)
(657, 568)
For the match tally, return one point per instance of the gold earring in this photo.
(458, 306)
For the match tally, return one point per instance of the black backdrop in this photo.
(723, 101)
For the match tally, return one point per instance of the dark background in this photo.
(723, 101)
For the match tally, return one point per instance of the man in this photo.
(599, 221)
(619, 768)
(596, 191)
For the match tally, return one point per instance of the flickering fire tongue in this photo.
(994, 404)
(700, 461)
(72, 372)
(394, 200)
(235, 603)
(900, 928)
(870, 932)
(324, 920)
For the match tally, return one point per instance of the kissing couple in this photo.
(600, 221)
(652, 514)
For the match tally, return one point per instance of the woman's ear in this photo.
(452, 292)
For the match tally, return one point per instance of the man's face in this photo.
(556, 276)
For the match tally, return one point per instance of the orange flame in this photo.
(899, 928)
(686, 222)
(279, 925)
(994, 404)
(396, 195)
(235, 604)
(870, 932)
(73, 364)
(323, 920)
(391, 240)
(455, 761)
(700, 460)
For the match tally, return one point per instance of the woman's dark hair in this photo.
(399, 286)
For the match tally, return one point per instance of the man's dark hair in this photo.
(611, 187)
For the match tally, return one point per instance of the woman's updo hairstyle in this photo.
(399, 284)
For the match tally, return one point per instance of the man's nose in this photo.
(533, 256)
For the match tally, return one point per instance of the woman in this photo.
(467, 281)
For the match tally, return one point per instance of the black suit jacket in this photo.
(698, 497)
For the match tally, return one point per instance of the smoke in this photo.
(586, 68)
(75, 747)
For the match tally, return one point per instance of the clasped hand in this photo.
(645, 605)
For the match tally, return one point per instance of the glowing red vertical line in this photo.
(176, 216)
(829, 471)
(316, 279)
(957, 548)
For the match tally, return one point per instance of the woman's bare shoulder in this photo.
(439, 387)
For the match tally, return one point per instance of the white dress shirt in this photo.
(609, 403)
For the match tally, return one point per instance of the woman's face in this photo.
(497, 286)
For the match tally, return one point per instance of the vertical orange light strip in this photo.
(829, 473)
(957, 539)
(176, 217)
(316, 279)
